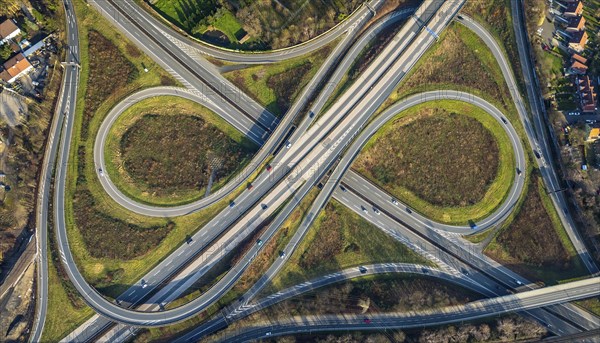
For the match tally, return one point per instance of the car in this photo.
(144, 283)
(464, 271)
(367, 321)
(362, 269)
(231, 203)
(364, 209)
(518, 171)
(459, 17)
(101, 172)
(394, 201)
(268, 333)
(269, 168)
(250, 186)
(288, 144)
(188, 239)
(311, 114)
(537, 153)
(504, 120)
(425, 270)
(408, 210)
(518, 282)
(376, 210)
(282, 254)
(161, 306)
(342, 188)
(264, 206)
(259, 242)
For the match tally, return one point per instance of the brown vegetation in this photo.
(279, 24)
(104, 235)
(505, 329)
(531, 245)
(446, 159)
(285, 85)
(497, 16)
(147, 150)
(109, 70)
(389, 293)
(458, 50)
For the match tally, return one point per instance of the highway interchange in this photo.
(331, 141)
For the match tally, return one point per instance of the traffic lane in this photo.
(378, 321)
(267, 56)
(470, 255)
(122, 199)
(207, 71)
(143, 318)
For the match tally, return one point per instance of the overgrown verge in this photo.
(339, 239)
(535, 244)
(277, 85)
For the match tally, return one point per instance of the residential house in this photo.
(8, 30)
(573, 9)
(576, 24)
(587, 95)
(15, 68)
(578, 64)
(578, 41)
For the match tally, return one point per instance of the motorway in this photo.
(256, 135)
(309, 167)
(306, 153)
(418, 319)
(192, 46)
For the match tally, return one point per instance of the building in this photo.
(576, 24)
(578, 64)
(578, 68)
(15, 68)
(587, 94)
(8, 30)
(578, 41)
(573, 9)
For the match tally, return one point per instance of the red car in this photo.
(367, 321)
(250, 186)
(269, 168)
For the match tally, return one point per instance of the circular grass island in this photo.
(448, 160)
(168, 150)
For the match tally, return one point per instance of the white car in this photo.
(376, 210)
(288, 144)
(144, 283)
(395, 202)
(101, 172)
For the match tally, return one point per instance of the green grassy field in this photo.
(590, 304)
(436, 162)
(534, 243)
(178, 178)
(339, 239)
(277, 85)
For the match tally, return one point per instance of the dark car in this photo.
(250, 186)
(367, 321)
(231, 203)
(362, 269)
(269, 168)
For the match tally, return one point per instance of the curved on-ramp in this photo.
(132, 317)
